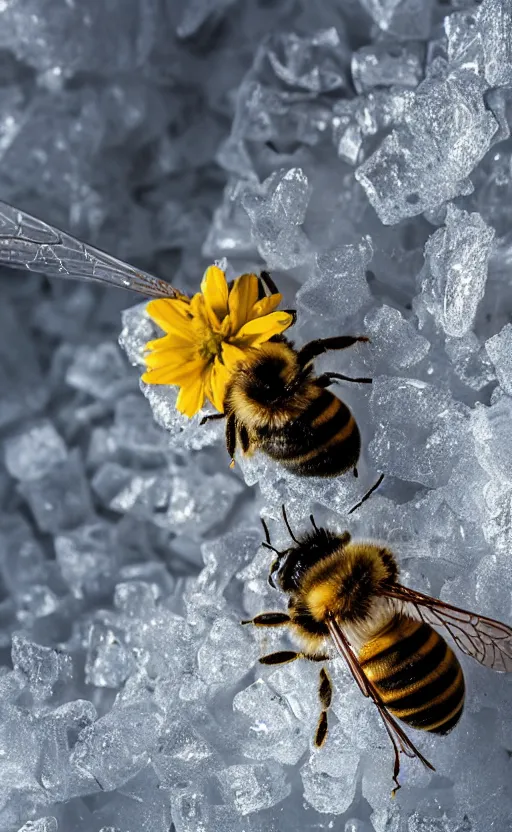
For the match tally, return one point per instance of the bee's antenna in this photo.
(285, 518)
(267, 544)
(313, 523)
(368, 494)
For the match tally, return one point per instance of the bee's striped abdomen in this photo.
(322, 442)
(417, 675)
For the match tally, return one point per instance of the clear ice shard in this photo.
(455, 272)
(338, 286)
(251, 788)
(428, 160)
(31, 455)
(499, 350)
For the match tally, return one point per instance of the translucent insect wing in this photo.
(30, 243)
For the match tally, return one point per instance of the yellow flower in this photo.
(207, 335)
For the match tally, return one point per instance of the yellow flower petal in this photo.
(170, 358)
(215, 290)
(231, 355)
(191, 397)
(242, 298)
(172, 341)
(173, 316)
(265, 306)
(216, 385)
(259, 330)
(180, 374)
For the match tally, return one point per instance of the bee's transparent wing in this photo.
(29, 243)
(484, 639)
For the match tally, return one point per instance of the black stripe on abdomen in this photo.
(418, 676)
(323, 441)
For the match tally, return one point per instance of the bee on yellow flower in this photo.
(207, 335)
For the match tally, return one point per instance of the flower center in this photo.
(210, 346)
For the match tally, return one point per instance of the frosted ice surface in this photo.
(327, 794)
(492, 433)
(31, 455)
(471, 362)
(386, 64)
(481, 39)
(455, 272)
(394, 340)
(427, 161)
(109, 662)
(276, 212)
(338, 287)
(271, 729)
(48, 824)
(419, 430)
(227, 653)
(87, 558)
(406, 18)
(499, 350)
(251, 788)
(42, 667)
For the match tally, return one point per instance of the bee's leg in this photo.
(268, 283)
(285, 656)
(326, 379)
(321, 345)
(325, 695)
(269, 619)
(243, 438)
(211, 417)
(231, 437)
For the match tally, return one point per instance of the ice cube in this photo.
(480, 38)
(190, 808)
(118, 745)
(327, 794)
(492, 433)
(394, 340)
(87, 558)
(386, 64)
(272, 729)
(227, 654)
(60, 499)
(41, 667)
(499, 350)
(338, 287)
(252, 788)
(455, 272)
(31, 455)
(427, 160)
(182, 753)
(276, 212)
(141, 805)
(109, 662)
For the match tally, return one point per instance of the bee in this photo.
(275, 403)
(345, 594)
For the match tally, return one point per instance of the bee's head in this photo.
(291, 564)
(270, 375)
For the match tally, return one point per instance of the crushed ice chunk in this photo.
(455, 271)
(227, 653)
(492, 433)
(427, 160)
(386, 64)
(31, 455)
(499, 350)
(420, 430)
(277, 210)
(109, 662)
(407, 18)
(100, 371)
(394, 340)
(61, 498)
(338, 285)
(41, 667)
(48, 824)
(87, 558)
(480, 38)
(252, 788)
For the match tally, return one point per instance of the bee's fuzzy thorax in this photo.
(345, 583)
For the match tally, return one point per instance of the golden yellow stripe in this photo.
(419, 683)
(446, 718)
(433, 702)
(380, 670)
(334, 440)
(327, 414)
